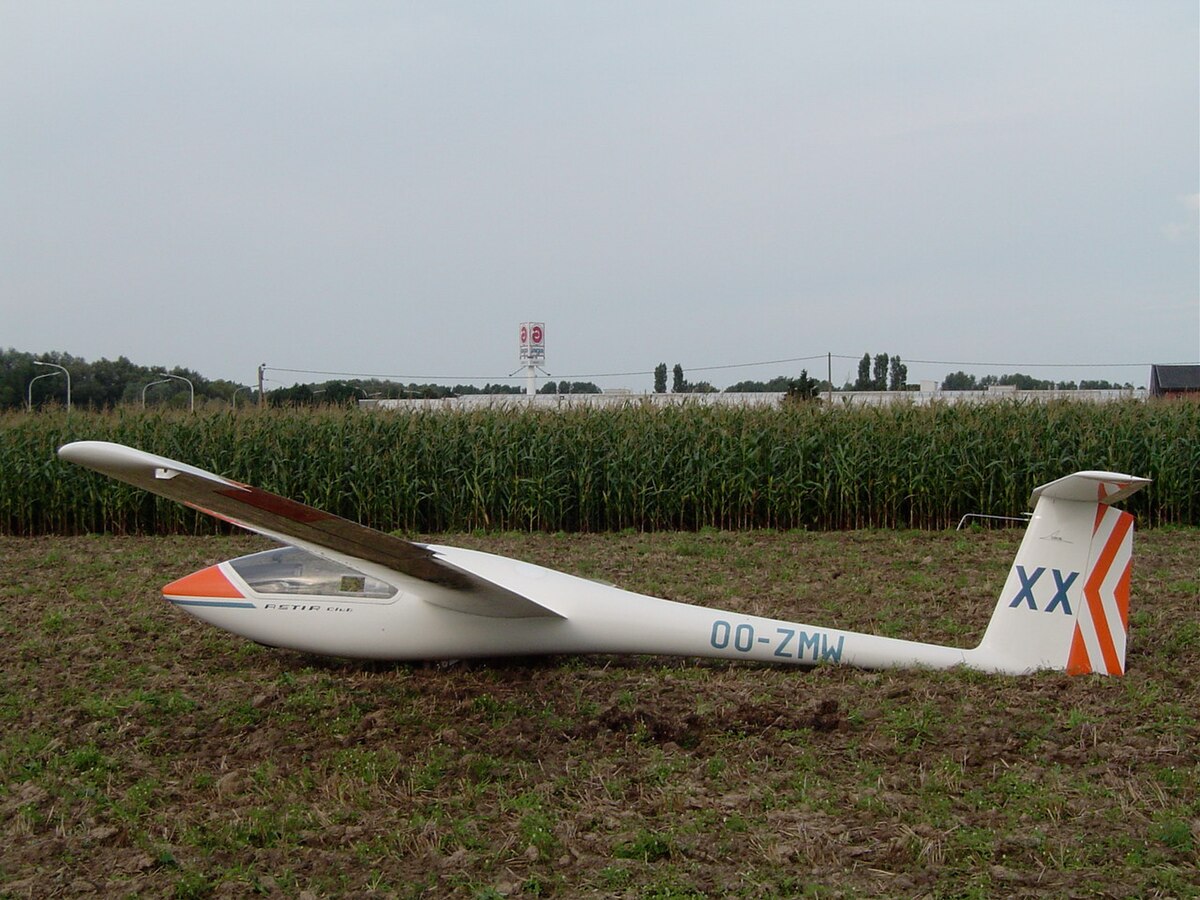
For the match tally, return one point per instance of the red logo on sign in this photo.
(537, 334)
(524, 334)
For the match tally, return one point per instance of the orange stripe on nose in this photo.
(210, 582)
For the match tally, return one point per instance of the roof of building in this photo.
(1175, 378)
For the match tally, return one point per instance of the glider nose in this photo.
(207, 584)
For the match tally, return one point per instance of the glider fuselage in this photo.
(592, 618)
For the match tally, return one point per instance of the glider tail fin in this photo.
(1065, 605)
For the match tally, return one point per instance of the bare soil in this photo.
(144, 753)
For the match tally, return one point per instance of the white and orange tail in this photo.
(1065, 605)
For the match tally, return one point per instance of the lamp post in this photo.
(38, 362)
(150, 385)
(191, 388)
(29, 398)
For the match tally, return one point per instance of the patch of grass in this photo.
(536, 829)
(1174, 832)
(54, 623)
(646, 846)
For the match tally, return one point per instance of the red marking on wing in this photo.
(276, 505)
(215, 515)
(210, 582)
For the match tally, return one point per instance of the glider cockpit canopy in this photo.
(290, 570)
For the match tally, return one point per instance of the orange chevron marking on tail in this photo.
(1100, 625)
(1123, 594)
(1078, 662)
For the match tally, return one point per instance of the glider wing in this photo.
(295, 523)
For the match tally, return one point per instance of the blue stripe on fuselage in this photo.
(223, 603)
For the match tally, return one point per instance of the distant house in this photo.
(1175, 381)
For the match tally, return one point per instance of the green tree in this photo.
(678, 385)
(879, 372)
(802, 389)
(1102, 385)
(1026, 382)
(778, 384)
(897, 375)
(98, 385)
(660, 378)
(959, 381)
(863, 382)
(569, 387)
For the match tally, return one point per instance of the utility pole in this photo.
(261, 397)
(829, 374)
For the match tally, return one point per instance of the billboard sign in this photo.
(533, 343)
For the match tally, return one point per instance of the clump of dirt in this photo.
(686, 731)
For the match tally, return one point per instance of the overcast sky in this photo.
(390, 188)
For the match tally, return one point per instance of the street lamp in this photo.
(29, 398)
(191, 389)
(150, 385)
(38, 362)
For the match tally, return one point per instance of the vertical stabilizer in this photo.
(1065, 604)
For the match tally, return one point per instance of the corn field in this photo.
(584, 469)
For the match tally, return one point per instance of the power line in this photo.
(513, 377)
(714, 368)
(765, 362)
(383, 377)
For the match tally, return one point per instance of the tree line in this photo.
(106, 383)
(101, 384)
(961, 381)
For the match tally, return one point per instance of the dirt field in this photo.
(144, 753)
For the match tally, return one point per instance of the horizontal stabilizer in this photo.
(1091, 487)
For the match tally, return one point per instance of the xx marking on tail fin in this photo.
(1061, 587)
(1062, 584)
(1027, 583)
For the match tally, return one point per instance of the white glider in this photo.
(343, 589)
